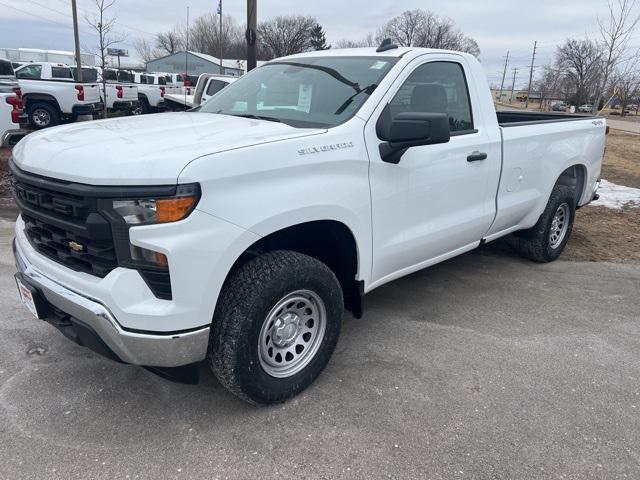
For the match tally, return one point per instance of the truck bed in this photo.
(515, 119)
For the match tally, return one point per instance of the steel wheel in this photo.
(292, 333)
(559, 226)
(41, 117)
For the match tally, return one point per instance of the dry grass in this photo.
(600, 233)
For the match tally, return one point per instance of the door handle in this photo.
(476, 156)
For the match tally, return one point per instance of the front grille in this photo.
(63, 226)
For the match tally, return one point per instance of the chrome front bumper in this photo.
(146, 349)
(11, 137)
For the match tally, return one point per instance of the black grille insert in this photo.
(72, 224)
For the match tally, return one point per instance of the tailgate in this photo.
(129, 92)
(91, 93)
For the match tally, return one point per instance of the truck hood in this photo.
(145, 150)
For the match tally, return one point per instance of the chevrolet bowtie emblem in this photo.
(75, 246)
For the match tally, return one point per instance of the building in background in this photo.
(39, 55)
(197, 63)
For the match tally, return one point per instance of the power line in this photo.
(86, 12)
(34, 15)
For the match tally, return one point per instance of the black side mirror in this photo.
(410, 129)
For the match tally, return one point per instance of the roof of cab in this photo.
(371, 52)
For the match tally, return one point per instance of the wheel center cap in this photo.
(286, 329)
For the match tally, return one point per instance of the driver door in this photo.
(439, 200)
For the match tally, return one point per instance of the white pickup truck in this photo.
(208, 85)
(51, 94)
(238, 233)
(151, 91)
(11, 130)
(121, 97)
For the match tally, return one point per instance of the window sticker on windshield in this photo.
(379, 65)
(304, 98)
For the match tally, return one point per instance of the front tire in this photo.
(545, 241)
(275, 327)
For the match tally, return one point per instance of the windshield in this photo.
(305, 92)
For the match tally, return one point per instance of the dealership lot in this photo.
(486, 366)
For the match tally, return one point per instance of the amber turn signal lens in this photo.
(161, 259)
(173, 209)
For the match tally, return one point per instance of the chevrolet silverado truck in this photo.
(11, 124)
(208, 85)
(151, 90)
(51, 95)
(120, 97)
(239, 232)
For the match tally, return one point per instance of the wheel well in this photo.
(574, 178)
(30, 99)
(329, 241)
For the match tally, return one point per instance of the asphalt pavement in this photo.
(486, 366)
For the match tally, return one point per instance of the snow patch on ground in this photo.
(617, 196)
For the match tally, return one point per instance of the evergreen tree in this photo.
(318, 40)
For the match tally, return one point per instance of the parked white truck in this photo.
(208, 85)
(51, 95)
(238, 233)
(151, 91)
(121, 97)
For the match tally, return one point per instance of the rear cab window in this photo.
(215, 86)
(437, 87)
(6, 69)
(61, 73)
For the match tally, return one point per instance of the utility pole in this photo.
(513, 85)
(220, 35)
(533, 58)
(251, 35)
(76, 38)
(504, 73)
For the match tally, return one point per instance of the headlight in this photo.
(146, 211)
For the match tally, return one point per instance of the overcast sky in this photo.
(497, 25)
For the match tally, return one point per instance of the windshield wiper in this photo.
(368, 90)
(251, 115)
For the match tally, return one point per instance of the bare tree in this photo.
(286, 35)
(550, 84)
(204, 36)
(145, 50)
(421, 28)
(615, 35)
(368, 41)
(171, 41)
(104, 27)
(626, 82)
(581, 61)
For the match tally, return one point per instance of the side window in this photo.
(215, 86)
(436, 87)
(61, 72)
(32, 72)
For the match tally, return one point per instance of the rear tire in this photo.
(43, 115)
(545, 241)
(141, 108)
(275, 327)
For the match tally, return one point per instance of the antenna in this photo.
(386, 45)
